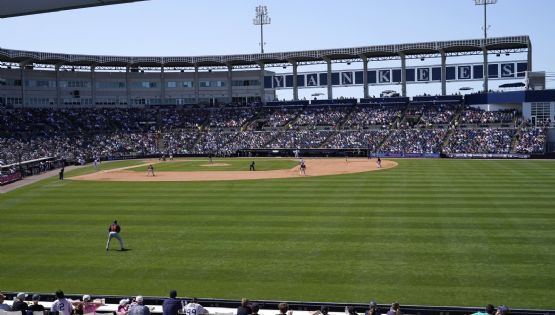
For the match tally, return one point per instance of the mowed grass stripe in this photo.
(428, 232)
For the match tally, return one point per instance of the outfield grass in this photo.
(439, 232)
(218, 165)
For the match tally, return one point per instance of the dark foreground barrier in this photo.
(301, 306)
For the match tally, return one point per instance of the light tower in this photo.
(261, 19)
(485, 3)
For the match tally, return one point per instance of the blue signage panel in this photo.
(493, 71)
(279, 81)
(450, 73)
(521, 69)
(423, 74)
(372, 77)
(323, 79)
(478, 71)
(268, 82)
(410, 75)
(289, 80)
(465, 72)
(347, 78)
(300, 79)
(312, 79)
(396, 75)
(507, 70)
(384, 76)
(335, 78)
(436, 74)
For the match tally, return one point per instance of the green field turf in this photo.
(438, 232)
(103, 166)
(232, 165)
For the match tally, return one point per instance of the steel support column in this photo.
(229, 83)
(403, 74)
(127, 94)
(163, 85)
(295, 83)
(330, 89)
(93, 86)
(486, 69)
(58, 89)
(196, 83)
(443, 73)
(262, 89)
(365, 76)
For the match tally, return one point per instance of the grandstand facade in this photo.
(38, 79)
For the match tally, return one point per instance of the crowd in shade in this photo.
(84, 133)
(322, 116)
(484, 140)
(380, 115)
(471, 115)
(278, 117)
(303, 139)
(355, 139)
(431, 115)
(414, 141)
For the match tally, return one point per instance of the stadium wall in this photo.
(51, 88)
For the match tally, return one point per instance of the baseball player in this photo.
(379, 163)
(302, 167)
(150, 170)
(113, 232)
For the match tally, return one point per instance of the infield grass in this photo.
(438, 232)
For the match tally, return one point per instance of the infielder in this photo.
(150, 170)
(113, 232)
(302, 168)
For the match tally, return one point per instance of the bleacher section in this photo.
(378, 125)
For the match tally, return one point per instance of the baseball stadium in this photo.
(405, 177)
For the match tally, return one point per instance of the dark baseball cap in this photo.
(36, 297)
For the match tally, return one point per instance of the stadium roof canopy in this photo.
(494, 45)
(12, 8)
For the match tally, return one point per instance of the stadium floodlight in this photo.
(261, 19)
(485, 3)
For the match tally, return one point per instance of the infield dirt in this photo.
(314, 167)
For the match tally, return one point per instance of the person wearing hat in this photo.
(138, 308)
(36, 307)
(19, 303)
(4, 306)
(123, 307)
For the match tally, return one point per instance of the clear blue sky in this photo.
(186, 28)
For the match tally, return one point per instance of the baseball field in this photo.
(437, 232)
